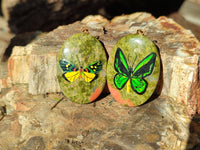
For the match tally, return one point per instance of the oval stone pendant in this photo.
(133, 70)
(81, 68)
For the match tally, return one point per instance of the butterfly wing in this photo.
(71, 72)
(120, 80)
(94, 67)
(67, 66)
(89, 77)
(142, 70)
(120, 64)
(90, 72)
(146, 66)
(139, 85)
(71, 76)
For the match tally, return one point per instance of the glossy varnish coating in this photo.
(81, 68)
(133, 70)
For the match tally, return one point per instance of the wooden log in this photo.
(105, 124)
(35, 64)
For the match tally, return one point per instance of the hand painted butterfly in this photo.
(89, 73)
(133, 78)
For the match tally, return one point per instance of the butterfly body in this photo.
(81, 71)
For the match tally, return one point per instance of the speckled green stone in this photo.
(135, 48)
(81, 50)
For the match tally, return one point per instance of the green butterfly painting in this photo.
(134, 78)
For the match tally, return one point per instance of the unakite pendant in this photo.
(81, 68)
(133, 70)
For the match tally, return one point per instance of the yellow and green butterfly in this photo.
(89, 73)
(133, 78)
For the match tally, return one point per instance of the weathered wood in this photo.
(35, 64)
(159, 124)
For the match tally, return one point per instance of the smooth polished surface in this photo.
(133, 70)
(81, 68)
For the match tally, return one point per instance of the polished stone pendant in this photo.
(81, 68)
(133, 70)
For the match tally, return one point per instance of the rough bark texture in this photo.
(105, 124)
(35, 64)
(162, 122)
(187, 25)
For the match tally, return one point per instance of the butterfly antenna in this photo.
(128, 60)
(134, 60)
(78, 61)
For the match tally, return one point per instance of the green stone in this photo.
(81, 68)
(133, 70)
